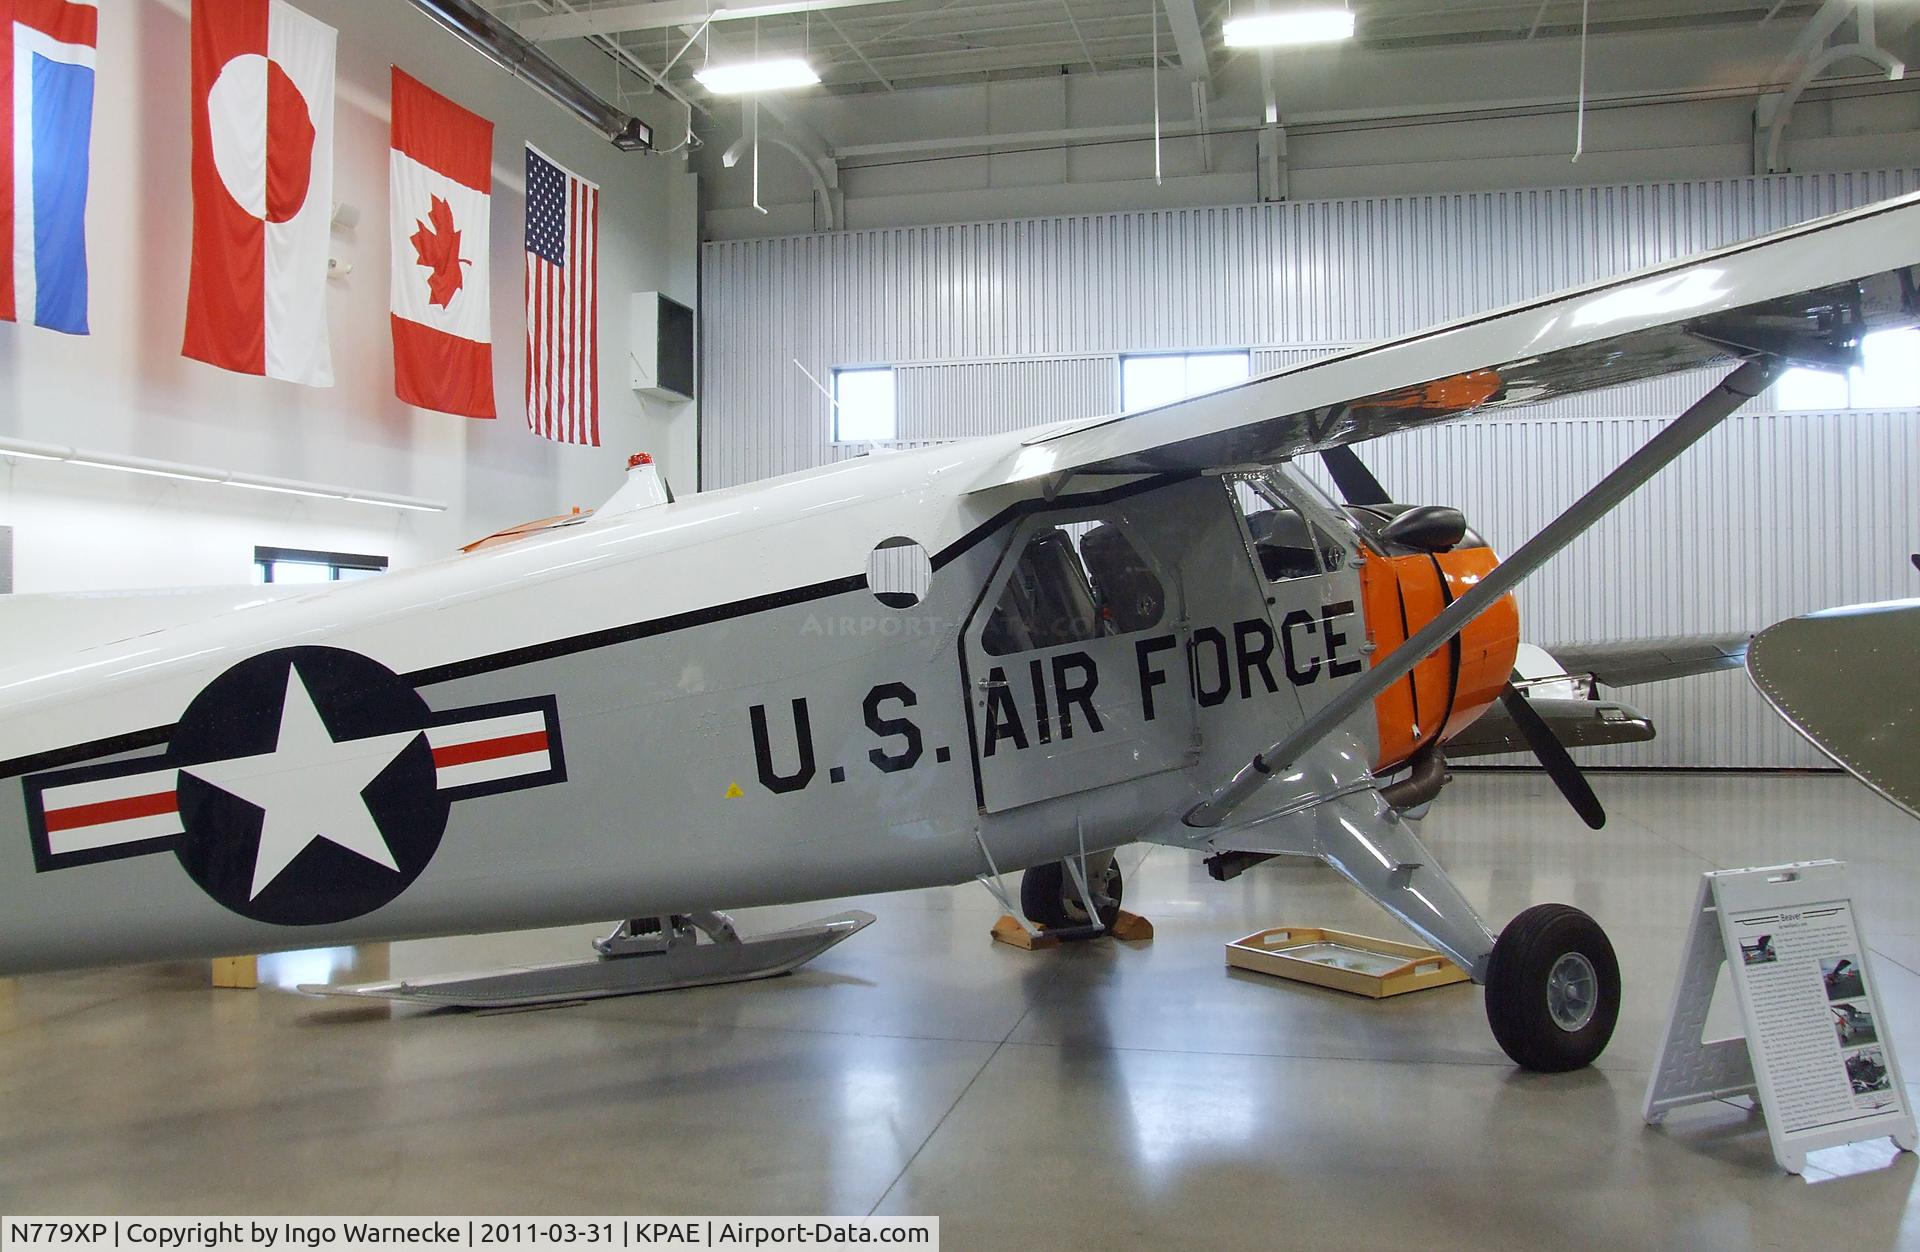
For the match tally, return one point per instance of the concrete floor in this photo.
(1103, 1096)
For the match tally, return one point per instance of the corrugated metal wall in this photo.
(997, 325)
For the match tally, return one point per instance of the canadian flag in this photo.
(262, 189)
(441, 170)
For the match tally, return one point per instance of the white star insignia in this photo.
(309, 787)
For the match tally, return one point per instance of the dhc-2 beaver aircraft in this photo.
(899, 671)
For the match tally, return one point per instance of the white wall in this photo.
(1000, 324)
(126, 388)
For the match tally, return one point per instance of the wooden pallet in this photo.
(1395, 968)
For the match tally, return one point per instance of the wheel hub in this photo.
(1573, 992)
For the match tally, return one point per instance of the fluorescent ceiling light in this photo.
(28, 449)
(151, 472)
(744, 77)
(1289, 26)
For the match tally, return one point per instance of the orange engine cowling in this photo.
(1447, 690)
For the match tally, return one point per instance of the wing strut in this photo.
(1742, 385)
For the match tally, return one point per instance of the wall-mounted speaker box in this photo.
(662, 354)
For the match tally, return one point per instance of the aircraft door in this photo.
(1074, 662)
(1304, 558)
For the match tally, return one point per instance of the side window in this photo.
(1285, 543)
(298, 565)
(1076, 582)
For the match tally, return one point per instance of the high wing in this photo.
(1804, 294)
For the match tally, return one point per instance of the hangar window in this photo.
(1160, 378)
(863, 406)
(1888, 378)
(1073, 583)
(300, 565)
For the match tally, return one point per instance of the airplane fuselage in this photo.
(697, 705)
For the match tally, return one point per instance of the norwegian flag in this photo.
(563, 317)
(46, 119)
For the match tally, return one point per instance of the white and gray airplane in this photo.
(907, 670)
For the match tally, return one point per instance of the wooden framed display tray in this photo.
(1360, 964)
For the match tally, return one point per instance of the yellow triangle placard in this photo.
(733, 791)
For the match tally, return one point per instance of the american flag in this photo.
(563, 318)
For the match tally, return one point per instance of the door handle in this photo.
(988, 684)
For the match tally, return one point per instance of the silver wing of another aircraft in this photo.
(1847, 679)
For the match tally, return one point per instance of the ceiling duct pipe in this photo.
(518, 55)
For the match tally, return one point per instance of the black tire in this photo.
(1521, 989)
(1048, 898)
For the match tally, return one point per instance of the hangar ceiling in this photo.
(882, 45)
(1430, 94)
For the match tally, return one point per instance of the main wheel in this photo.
(1048, 897)
(1553, 989)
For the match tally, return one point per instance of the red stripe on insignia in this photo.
(114, 811)
(489, 749)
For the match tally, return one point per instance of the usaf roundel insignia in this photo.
(301, 787)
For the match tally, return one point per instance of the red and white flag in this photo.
(563, 314)
(441, 171)
(262, 189)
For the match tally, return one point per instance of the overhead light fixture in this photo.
(747, 77)
(1279, 26)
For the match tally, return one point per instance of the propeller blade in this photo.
(1356, 482)
(1553, 755)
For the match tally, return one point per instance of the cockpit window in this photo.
(1285, 542)
(1076, 582)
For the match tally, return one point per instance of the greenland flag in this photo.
(441, 171)
(262, 190)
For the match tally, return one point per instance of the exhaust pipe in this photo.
(1422, 785)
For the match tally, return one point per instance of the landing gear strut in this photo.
(1553, 989)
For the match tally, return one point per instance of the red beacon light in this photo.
(643, 489)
